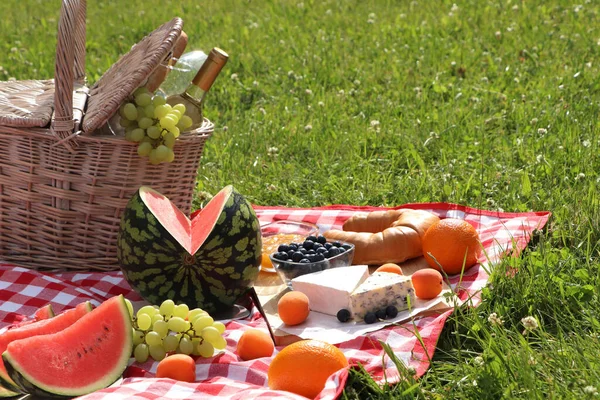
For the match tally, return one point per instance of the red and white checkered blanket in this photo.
(23, 291)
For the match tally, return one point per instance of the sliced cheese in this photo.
(329, 291)
(380, 290)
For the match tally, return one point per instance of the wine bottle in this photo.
(194, 94)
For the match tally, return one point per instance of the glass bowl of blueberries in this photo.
(314, 254)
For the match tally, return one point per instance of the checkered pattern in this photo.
(23, 291)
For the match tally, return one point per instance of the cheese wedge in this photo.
(329, 291)
(380, 290)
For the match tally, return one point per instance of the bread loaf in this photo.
(380, 237)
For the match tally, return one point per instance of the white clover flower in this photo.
(290, 73)
(271, 187)
(262, 111)
(532, 360)
(498, 35)
(328, 12)
(533, 121)
(356, 82)
(374, 123)
(478, 361)
(580, 176)
(308, 127)
(586, 143)
(225, 128)
(542, 131)
(308, 91)
(530, 323)
(590, 390)
(321, 104)
(493, 318)
(255, 83)
(234, 77)
(454, 8)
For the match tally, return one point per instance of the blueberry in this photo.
(343, 315)
(308, 244)
(311, 257)
(283, 247)
(321, 239)
(321, 250)
(327, 245)
(319, 257)
(341, 249)
(326, 254)
(336, 244)
(293, 246)
(312, 238)
(380, 313)
(302, 250)
(281, 255)
(391, 311)
(317, 245)
(312, 251)
(297, 256)
(290, 254)
(347, 246)
(304, 261)
(370, 317)
(334, 251)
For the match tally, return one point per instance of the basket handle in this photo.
(70, 65)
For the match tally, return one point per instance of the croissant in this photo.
(379, 237)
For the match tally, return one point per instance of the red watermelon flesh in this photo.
(43, 327)
(44, 313)
(87, 356)
(189, 234)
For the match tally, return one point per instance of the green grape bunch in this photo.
(154, 124)
(171, 328)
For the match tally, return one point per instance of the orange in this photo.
(427, 283)
(390, 267)
(180, 367)
(303, 367)
(449, 241)
(253, 344)
(293, 308)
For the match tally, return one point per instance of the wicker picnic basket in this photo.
(62, 185)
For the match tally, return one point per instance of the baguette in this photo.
(380, 237)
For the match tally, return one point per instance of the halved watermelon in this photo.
(43, 327)
(84, 357)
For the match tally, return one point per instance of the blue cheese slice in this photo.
(329, 291)
(380, 290)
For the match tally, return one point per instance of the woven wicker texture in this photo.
(61, 193)
(129, 73)
(26, 103)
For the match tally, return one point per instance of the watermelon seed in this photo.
(79, 354)
(99, 339)
(106, 328)
(85, 350)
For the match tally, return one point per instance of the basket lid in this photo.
(26, 104)
(129, 73)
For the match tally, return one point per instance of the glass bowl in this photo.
(282, 232)
(288, 270)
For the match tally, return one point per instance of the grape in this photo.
(130, 111)
(145, 123)
(157, 352)
(159, 101)
(220, 343)
(185, 122)
(149, 111)
(203, 322)
(174, 130)
(167, 122)
(129, 307)
(211, 334)
(157, 317)
(219, 326)
(169, 139)
(170, 343)
(162, 153)
(192, 314)
(176, 113)
(146, 139)
(141, 90)
(171, 156)
(122, 111)
(181, 311)
(138, 337)
(153, 158)
(177, 324)
(153, 132)
(144, 322)
(185, 346)
(140, 353)
(161, 327)
(128, 135)
(143, 99)
(205, 349)
(137, 135)
(144, 149)
(167, 307)
(125, 123)
(179, 107)
(153, 338)
(146, 310)
(161, 111)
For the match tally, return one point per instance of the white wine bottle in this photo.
(194, 94)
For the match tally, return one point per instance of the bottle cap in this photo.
(209, 71)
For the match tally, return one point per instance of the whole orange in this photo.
(427, 283)
(180, 367)
(390, 267)
(303, 367)
(293, 308)
(449, 241)
(253, 344)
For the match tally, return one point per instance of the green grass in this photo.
(493, 104)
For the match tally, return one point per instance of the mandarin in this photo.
(180, 367)
(293, 308)
(303, 367)
(451, 242)
(253, 344)
(427, 283)
(390, 267)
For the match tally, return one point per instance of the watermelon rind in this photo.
(44, 312)
(221, 269)
(5, 393)
(98, 317)
(5, 380)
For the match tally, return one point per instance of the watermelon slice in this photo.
(42, 327)
(45, 312)
(84, 357)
